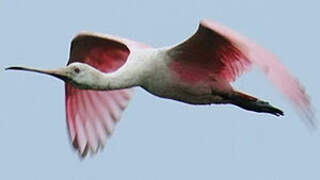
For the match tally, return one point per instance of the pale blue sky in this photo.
(157, 138)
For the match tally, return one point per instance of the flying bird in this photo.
(103, 69)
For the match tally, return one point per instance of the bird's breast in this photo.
(163, 82)
(160, 79)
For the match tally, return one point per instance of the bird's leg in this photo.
(251, 103)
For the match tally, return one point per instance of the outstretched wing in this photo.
(92, 115)
(215, 50)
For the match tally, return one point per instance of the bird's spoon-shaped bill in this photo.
(58, 73)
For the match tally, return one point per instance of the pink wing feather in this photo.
(215, 49)
(92, 115)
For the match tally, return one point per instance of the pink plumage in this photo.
(208, 53)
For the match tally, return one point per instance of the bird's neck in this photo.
(113, 81)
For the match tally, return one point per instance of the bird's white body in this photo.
(149, 69)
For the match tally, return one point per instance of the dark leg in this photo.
(252, 104)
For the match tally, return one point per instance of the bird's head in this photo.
(79, 75)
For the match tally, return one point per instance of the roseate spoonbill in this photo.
(103, 69)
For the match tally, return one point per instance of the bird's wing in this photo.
(209, 51)
(218, 51)
(92, 115)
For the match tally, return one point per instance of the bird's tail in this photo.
(253, 104)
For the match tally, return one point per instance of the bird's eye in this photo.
(76, 70)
